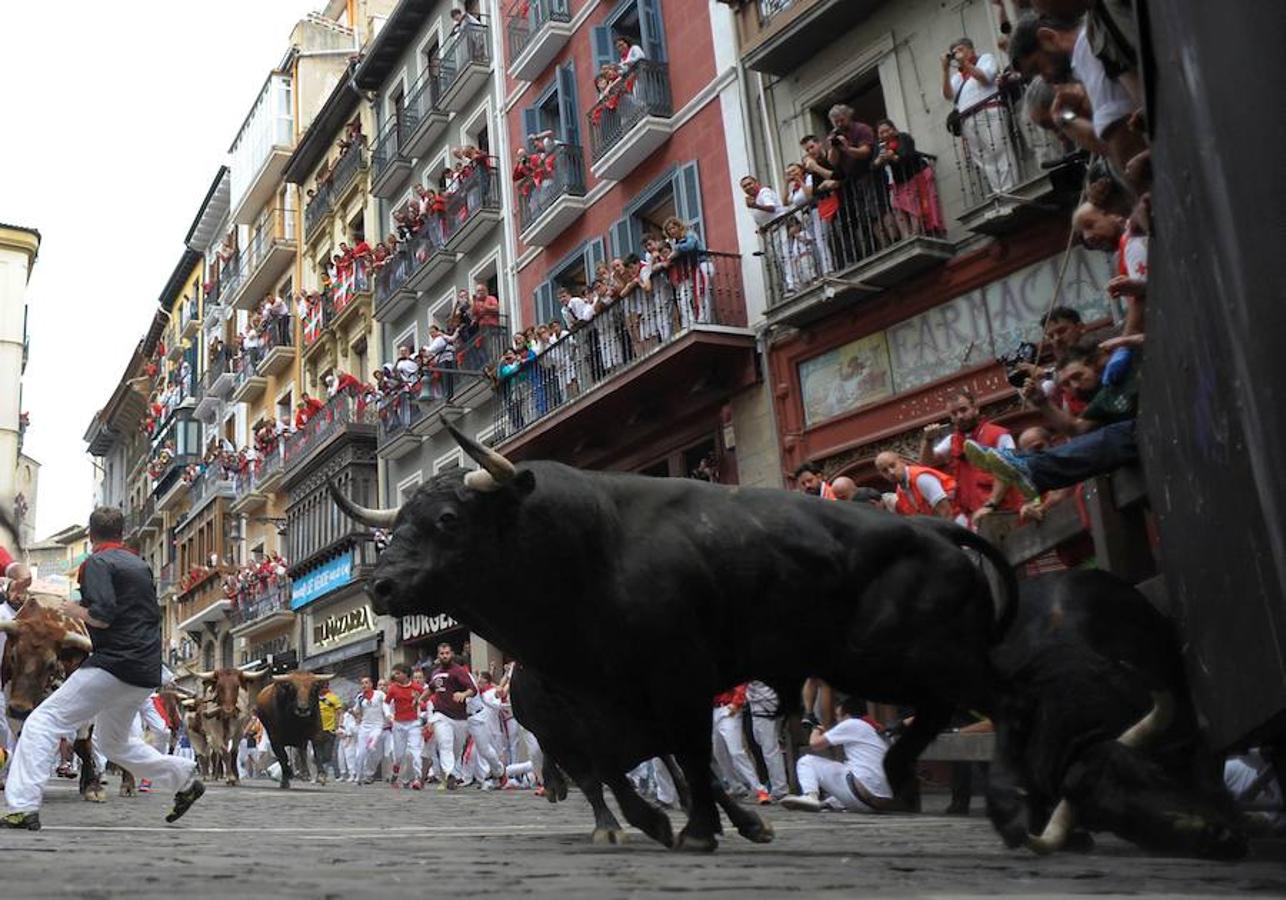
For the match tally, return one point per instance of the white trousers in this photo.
(990, 147)
(767, 735)
(730, 751)
(88, 694)
(449, 737)
(666, 793)
(486, 762)
(348, 755)
(370, 749)
(830, 776)
(408, 742)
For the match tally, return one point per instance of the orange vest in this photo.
(912, 503)
(974, 484)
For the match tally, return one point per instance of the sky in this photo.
(116, 123)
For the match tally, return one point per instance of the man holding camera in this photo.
(969, 81)
(863, 199)
(942, 446)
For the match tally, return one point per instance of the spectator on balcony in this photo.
(970, 82)
(1063, 110)
(1058, 48)
(1103, 434)
(913, 194)
(921, 490)
(629, 54)
(407, 368)
(485, 310)
(689, 273)
(1100, 229)
(977, 494)
(441, 353)
(1110, 33)
(862, 206)
(461, 20)
(762, 201)
(307, 407)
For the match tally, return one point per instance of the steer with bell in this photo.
(672, 590)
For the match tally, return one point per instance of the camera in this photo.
(835, 137)
(1024, 354)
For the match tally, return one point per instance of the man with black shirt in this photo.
(864, 199)
(451, 686)
(124, 624)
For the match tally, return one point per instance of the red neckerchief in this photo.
(368, 694)
(97, 549)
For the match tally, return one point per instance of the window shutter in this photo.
(557, 7)
(621, 238)
(595, 253)
(545, 302)
(530, 123)
(653, 29)
(567, 104)
(687, 198)
(601, 42)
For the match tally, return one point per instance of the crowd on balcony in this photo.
(1076, 61)
(255, 579)
(353, 141)
(632, 305)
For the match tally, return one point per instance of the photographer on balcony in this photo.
(863, 202)
(969, 81)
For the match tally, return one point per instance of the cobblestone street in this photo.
(343, 841)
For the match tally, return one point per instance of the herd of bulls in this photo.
(671, 591)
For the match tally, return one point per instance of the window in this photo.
(408, 338)
(574, 272)
(639, 22)
(356, 231)
(284, 407)
(677, 193)
(864, 94)
(407, 487)
(555, 109)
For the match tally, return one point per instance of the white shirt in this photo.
(439, 348)
(408, 369)
(975, 92)
(7, 613)
(581, 308)
(371, 712)
(1110, 101)
(348, 725)
(766, 197)
(633, 55)
(864, 751)
(1135, 256)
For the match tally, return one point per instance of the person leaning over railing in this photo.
(690, 273)
(913, 195)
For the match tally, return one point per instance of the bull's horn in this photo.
(9, 626)
(323, 676)
(481, 481)
(278, 679)
(188, 704)
(375, 518)
(257, 673)
(1153, 724)
(495, 464)
(78, 641)
(204, 676)
(1055, 834)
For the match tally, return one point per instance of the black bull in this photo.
(665, 592)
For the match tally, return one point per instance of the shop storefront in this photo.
(340, 631)
(275, 650)
(418, 637)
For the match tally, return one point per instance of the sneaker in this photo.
(29, 821)
(184, 799)
(145, 786)
(486, 785)
(802, 802)
(539, 791)
(416, 785)
(763, 798)
(1006, 465)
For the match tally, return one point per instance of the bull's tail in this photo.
(1007, 604)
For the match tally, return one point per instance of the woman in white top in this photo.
(801, 189)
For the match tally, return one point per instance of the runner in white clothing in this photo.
(858, 783)
(481, 712)
(369, 708)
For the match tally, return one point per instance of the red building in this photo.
(658, 381)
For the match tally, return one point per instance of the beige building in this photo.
(18, 473)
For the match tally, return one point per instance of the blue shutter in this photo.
(557, 7)
(601, 43)
(595, 253)
(687, 198)
(545, 307)
(653, 29)
(567, 104)
(621, 239)
(530, 123)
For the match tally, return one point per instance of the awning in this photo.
(339, 654)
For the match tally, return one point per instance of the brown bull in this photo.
(289, 710)
(226, 711)
(42, 648)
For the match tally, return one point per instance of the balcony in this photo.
(216, 386)
(536, 30)
(415, 266)
(270, 253)
(779, 36)
(231, 274)
(396, 416)
(347, 292)
(142, 519)
(547, 208)
(465, 66)
(277, 352)
(317, 324)
(170, 486)
(1011, 172)
(248, 384)
(165, 579)
(870, 237)
(261, 149)
(344, 177)
(389, 166)
(190, 319)
(261, 608)
(473, 210)
(212, 482)
(632, 121)
(343, 415)
(318, 211)
(428, 121)
(644, 353)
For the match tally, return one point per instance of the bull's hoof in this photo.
(284, 785)
(759, 832)
(608, 837)
(95, 795)
(690, 843)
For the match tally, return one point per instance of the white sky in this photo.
(117, 117)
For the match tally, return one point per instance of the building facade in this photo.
(19, 474)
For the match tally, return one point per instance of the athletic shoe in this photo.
(1006, 465)
(417, 785)
(763, 798)
(539, 791)
(145, 786)
(184, 799)
(21, 820)
(802, 802)
(486, 785)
